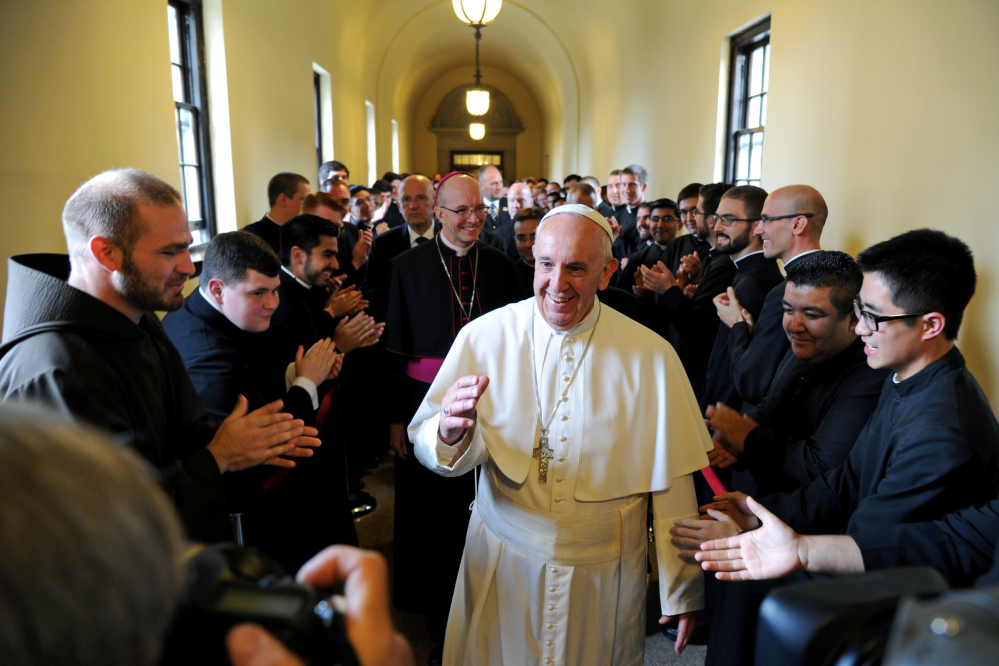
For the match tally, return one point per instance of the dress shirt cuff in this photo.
(681, 585)
(291, 379)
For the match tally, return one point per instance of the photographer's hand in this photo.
(369, 626)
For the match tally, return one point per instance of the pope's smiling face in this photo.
(570, 266)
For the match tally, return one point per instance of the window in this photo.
(191, 110)
(470, 162)
(318, 108)
(749, 77)
(372, 144)
(395, 147)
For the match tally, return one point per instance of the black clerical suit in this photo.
(350, 233)
(696, 319)
(930, 448)
(961, 545)
(393, 216)
(289, 514)
(526, 273)
(627, 217)
(755, 276)
(423, 319)
(656, 318)
(72, 352)
(755, 355)
(500, 219)
(268, 230)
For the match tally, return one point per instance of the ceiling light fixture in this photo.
(477, 13)
(477, 130)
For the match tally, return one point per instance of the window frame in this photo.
(741, 47)
(317, 105)
(193, 66)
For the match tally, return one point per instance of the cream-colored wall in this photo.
(529, 142)
(887, 107)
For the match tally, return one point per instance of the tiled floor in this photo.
(375, 532)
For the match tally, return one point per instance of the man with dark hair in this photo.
(694, 319)
(416, 199)
(699, 233)
(285, 193)
(359, 232)
(331, 171)
(634, 181)
(613, 189)
(392, 217)
(792, 221)
(81, 336)
(931, 445)
(755, 275)
(602, 206)
(665, 212)
(324, 205)
(435, 290)
(569, 181)
(525, 225)
(290, 516)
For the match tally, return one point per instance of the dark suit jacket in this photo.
(268, 230)
(696, 319)
(393, 216)
(811, 418)
(384, 248)
(349, 235)
(930, 448)
(494, 223)
(755, 276)
(755, 356)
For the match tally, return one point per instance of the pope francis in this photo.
(587, 413)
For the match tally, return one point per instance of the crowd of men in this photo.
(342, 325)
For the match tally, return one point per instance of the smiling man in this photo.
(563, 403)
(217, 335)
(435, 289)
(81, 336)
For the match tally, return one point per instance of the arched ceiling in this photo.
(428, 40)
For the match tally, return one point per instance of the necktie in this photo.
(421, 240)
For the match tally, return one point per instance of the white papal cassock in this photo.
(555, 573)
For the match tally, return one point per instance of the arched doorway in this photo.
(458, 151)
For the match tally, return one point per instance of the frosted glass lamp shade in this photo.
(476, 12)
(477, 102)
(477, 130)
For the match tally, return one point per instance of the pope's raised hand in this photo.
(459, 405)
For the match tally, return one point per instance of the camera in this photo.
(227, 585)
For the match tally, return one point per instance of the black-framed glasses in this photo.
(728, 220)
(872, 320)
(687, 213)
(656, 219)
(767, 220)
(465, 212)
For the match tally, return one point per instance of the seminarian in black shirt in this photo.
(285, 193)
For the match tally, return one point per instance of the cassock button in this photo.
(568, 358)
(565, 398)
(550, 626)
(565, 379)
(549, 661)
(562, 459)
(551, 608)
(553, 589)
(565, 417)
(558, 500)
(563, 438)
(554, 570)
(559, 479)
(549, 643)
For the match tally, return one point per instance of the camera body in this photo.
(229, 585)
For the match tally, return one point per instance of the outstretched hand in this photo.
(769, 552)
(459, 405)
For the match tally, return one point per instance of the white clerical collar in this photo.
(301, 282)
(799, 255)
(460, 251)
(588, 321)
(268, 216)
(211, 301)
(428, 234)
(736, 261)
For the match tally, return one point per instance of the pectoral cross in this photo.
(543, 454)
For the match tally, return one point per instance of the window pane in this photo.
(174, 34)
(766, 70)
(179, 94)
(742, 157)
(192, 194)
(756, 156)
(763, 113)
(753, 113)
(756, 71)
(188, 145)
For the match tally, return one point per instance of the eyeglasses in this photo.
(728, 220)
(464, 212)
(872, 320)
(665, 219)
(767, 220)
(687, 213)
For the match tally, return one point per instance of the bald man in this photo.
(518, 198)
(792, 221)
(434, 290)
(554, 569)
